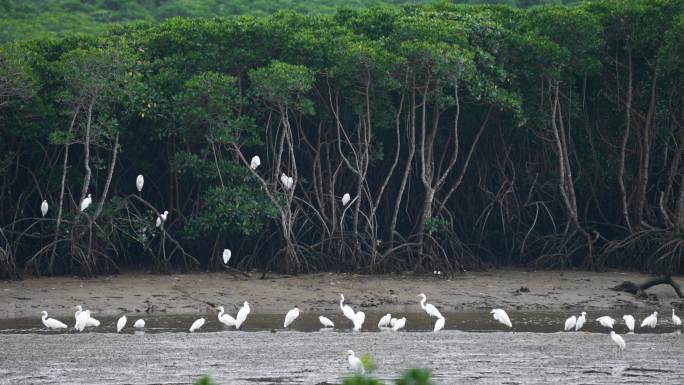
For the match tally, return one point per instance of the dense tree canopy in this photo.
(465, 136)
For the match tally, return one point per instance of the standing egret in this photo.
(618, 340)
(291, 316)
(81, 320)
(345, 199)
(346, 309)
(629, 321)
(52, 323)
(355, 363)
(225, 319)
(384, 321)
(399, 324)
(139, 324)
(256, 162)
(570, 323)
(121, 323)
(89, 321)
(439, 325)
(86, 202)
(651, 320)
(139, 182)
(197, 324)
(606, 321)
(392, 322)
(675, 319)
(581, 320)
(162, 218)
(429, 308)
(359, 318)
(326, 322)
(287, 181)
(242, 315)
(226, 256)
(501, 316)
(44, 208)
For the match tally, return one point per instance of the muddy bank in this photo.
(240, 358)
(193, 293)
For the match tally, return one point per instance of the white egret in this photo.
(44, 208)
(162, 218)
(439, 325)
(197, 324)
(359, 318)
(139, 182)
(429, 308)
(618, 340)
(242, 315)
(346, 309)
(570, 323)
(225, 318)
(287, 181)
(399, 324)
(52, 323)
(580, 321)
(256, 162)
(226, 256)
(384, 321)
(139, 324)
(629, 321)
(355, 363)
(326, 322)
(501, 316)
(675, 319)
(291, 316)
(345, 199)
(89, 321)
(81, 320)
(121, 323)
(86, 202)
(392, 322)
(651, 320)
(606, 321)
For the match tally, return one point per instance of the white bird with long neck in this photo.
(501, 316)
(429, 308)
(162, 218)
(399, 324)
(650, 321)
(355, 363)
(82, 320)
(242, 314)
(580, 321)
(617, 339)
(52, 323)
(570, 323)
(226, 256)
(287, 181)
(197, 325)
(139, 182)
(606, 321)
(326, 322)
(346, 309)
(121, 323)
(89, 321)
(256, 162)
(345, 199)
(359, 319)
(675, 319)
(384, 321)
(291, 316)
(225, 318)
(629, 321)
(139, 324)
(439, 325)
(86, 202)
(44, 208)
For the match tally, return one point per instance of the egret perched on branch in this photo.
(162, 218)
(326, 322)
(501, 316)
(44, 208)
(256, 162)
(242, 315)
(52, 323)
(580, 321)
(139, 324)
(399, 324)
(197, 324)
(287, 181)
(384, 321)
(651, 320)
(675, 319)
(618, 340)
(355, 363)
(291, 316)
(606, 321)
(429, 308)
(139, 182)
(86, 202)
(346, 309)
(359, 318)
(345, 199)
(225, 318)
(629, 321)
(570, 323)
(121, 323)
(226, 256)
(439, 325)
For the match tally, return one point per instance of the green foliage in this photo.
(415, 377)
(205, 380)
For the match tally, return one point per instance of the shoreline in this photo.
(140, 292)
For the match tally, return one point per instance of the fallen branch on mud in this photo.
(633, 288)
